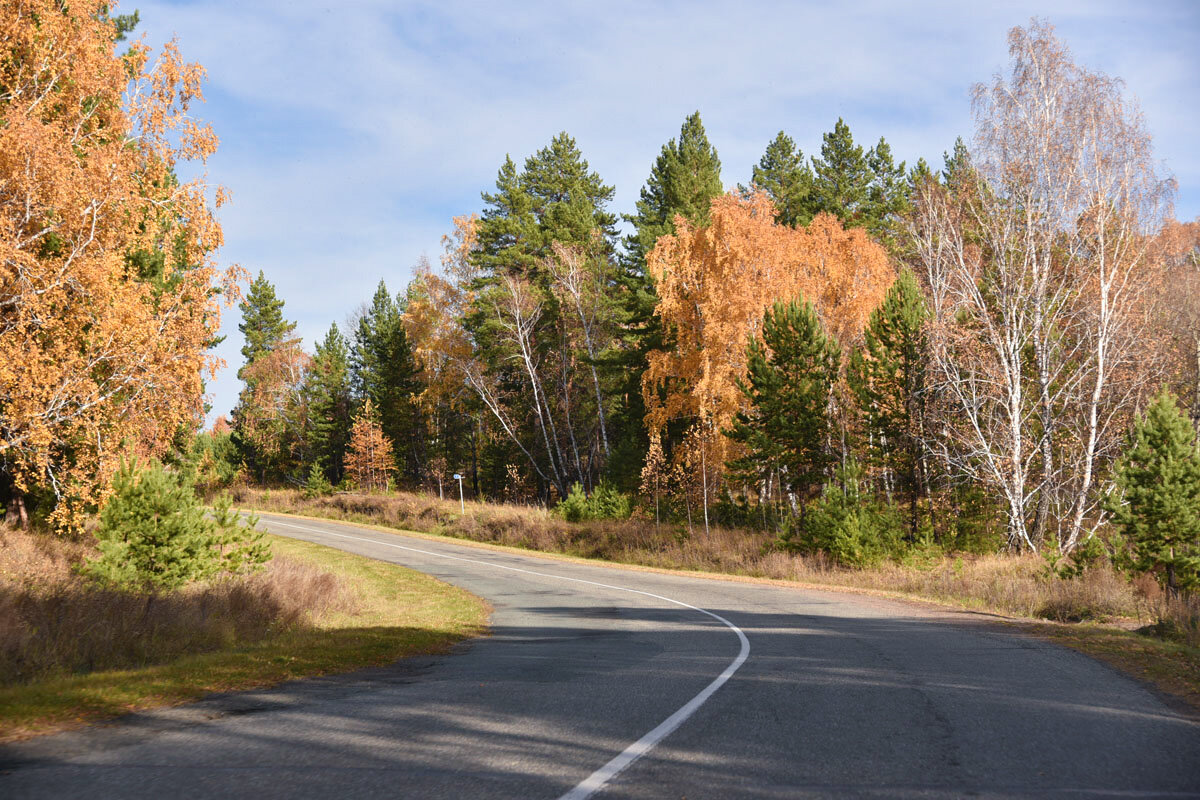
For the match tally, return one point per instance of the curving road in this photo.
(610, 682)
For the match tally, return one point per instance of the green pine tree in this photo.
(863, 189)
(555, 198)
(1156, 506)
(262, 325)
(685, 178)
(784, 174)
(887, 377)
(841, 177)
(384, 370)
(790, 375)
(330, 404)
(957, 166)
(265, 330)
(155, 536)
(887, 197)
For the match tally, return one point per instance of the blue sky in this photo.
(351, 132)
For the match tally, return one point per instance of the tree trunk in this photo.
(17, 509)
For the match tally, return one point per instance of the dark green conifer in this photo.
(384, 371)
(887, 377)
(330, 404)
(790, 375)
(1157, 503)
(784, 175)
(262, 325)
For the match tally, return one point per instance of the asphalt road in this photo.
(640, 685)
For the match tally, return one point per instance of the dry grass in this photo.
(1012, 585)
(315, 611)
(54, 623)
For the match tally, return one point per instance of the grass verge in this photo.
(396, 613)
(1013, 587)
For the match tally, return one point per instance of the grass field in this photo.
(389, 612)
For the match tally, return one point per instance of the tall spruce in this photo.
(887, 377)
(683, 180)
(1157, 503)
(790, 375)
(384, 371)
(784, 174)
(330, 404)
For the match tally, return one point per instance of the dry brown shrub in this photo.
(53, 622)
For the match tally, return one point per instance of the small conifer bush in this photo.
(154, 535)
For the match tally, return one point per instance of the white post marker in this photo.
(461, 502)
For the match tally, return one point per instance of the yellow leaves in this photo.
(94, 359)
(714, 284)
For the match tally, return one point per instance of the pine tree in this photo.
(1157, 503)
(887, 377)
(271, 354)
(790, 375)
(155, 535)
(555, 198)
(957, 165)
(887, 197)
(684, 179)
(329, 400)
(842, 177)
(262, 325)
(384, 371)
(783, 173)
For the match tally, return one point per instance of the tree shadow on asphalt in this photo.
(824, 705)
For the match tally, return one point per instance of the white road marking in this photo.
(594, 782)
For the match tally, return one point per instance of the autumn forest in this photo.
(857, 355)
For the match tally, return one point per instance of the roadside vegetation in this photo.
(73, 651)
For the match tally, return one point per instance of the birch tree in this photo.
(1037, 269)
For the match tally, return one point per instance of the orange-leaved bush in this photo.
(109, 294)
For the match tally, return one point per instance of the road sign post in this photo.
(461, 502)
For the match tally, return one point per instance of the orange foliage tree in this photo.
(273, 414)
(107, 301)
(714, 284)
(369, 459)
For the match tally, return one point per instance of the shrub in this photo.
(154, 535)
(604, 503)
(850, 525)
(317, 484)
